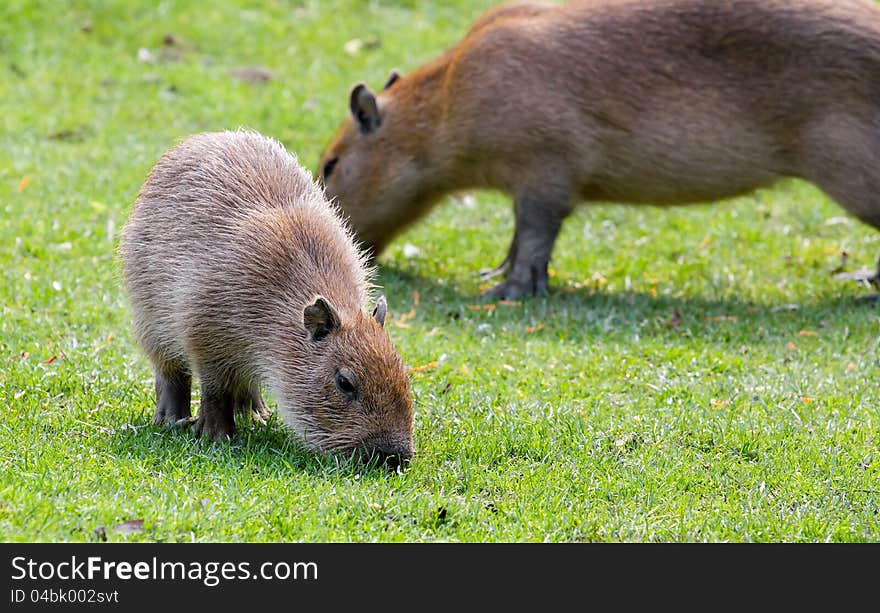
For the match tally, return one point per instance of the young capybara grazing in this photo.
(240, 272)
(633, 101)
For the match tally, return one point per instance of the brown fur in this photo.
(239, 271)
(635, 101)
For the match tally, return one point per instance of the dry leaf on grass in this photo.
(132, 526)
(252, 74)
(732, 318)
(424, 367)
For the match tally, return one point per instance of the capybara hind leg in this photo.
(537, 226)
(216, 419)
(249, 402)
(172, 395)
(843, 159)
(846, 165)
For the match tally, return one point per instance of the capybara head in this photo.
(353, 389)
(371, 167)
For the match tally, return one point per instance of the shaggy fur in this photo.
(239, 271)
(636, 101)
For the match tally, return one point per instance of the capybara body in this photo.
(634, 101)
(241, 273)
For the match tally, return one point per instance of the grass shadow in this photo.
(269, 449)
(585, 313)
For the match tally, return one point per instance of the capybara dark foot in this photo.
(216, 420)
(533, 283)
(209, 426)
(172, 398)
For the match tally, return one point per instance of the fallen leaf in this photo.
(356, 45)
(252, 74)
(510, 302)
(401, 324)
(807, 399)
(410, 251)
(530, 329)
(850, 367)
(807, 333)
(722, 318)
(433, 331)
(705, 242)
(22, 185)
(132, 526)
(791, 346)
(463, 369)
(718, 403)
(481, 307)
(146, 56)
(415, 296)
(424, 367)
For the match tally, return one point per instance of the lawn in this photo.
(696, 374)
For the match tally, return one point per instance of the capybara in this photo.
(240, 272)
(633, 101)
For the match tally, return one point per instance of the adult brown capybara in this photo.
(635, 101)
(240, 272)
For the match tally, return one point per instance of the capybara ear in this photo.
(380, 310)
(320, 319)
(391, 79)
(364, 108)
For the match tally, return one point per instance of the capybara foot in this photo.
(172, 398)
(211, 426)
(515, 286)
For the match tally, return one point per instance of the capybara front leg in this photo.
(216, 419)
(172, 395)
(537, 226)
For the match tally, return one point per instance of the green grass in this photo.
(695, 375)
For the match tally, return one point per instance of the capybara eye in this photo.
(344, 384)
(329, 165)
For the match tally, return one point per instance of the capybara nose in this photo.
(391, 456)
